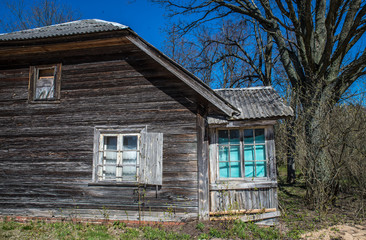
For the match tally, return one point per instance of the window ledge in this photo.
(225, 185)
(120, 184)
(114, 184)
(57, 101)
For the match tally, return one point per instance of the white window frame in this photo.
(105, 131)
(242, 160)
(101, 165)
(149, 163)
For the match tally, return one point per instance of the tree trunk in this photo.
(291, 176)
(319, 169)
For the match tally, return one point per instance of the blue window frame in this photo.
(255, 153)
(229, 154)
(242, 153)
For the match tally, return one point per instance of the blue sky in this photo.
(144, 17)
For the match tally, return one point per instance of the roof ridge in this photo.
(63, 29)
(246, 88)
(116, 24)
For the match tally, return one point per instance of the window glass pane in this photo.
(248, 153)
(223, 137)
(45, 88)
(248, 136)
(259, 136)
(110, 157)
(110, 143)
(224, 169)
(234, 153)
(235, 169)
(261, 169)
(234, 137)
(129, 142)
(109, 172)
(223, 153)
(49, 72)
(129, 157)
(129, 172)
(260, 153)
(249, 169)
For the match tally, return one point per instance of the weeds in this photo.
(200, 226)
(131, 233)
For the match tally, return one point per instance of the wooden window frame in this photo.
(150, 155)
(242, 160)
(33, 77)
(119, 164)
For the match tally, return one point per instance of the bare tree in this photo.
(23, 15)
(228, 54)
(319, 46)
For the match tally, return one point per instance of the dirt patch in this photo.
(347, 232)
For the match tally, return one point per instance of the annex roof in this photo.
(64, 29)
(256, 102)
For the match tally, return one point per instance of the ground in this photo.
(356, 232)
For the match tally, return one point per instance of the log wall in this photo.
(46, 150)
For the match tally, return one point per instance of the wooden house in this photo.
(97, 123)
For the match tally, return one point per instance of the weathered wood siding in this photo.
(46, 150)
(232, 199)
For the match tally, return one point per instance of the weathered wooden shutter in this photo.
(151, 160)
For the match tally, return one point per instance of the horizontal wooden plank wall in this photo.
(225, 200)
(46, 149)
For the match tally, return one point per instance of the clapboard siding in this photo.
(227, 200)
(46, 150)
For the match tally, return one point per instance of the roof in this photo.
(256, 102)
(64, 29)
(82, 27)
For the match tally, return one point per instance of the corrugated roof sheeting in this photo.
(64, 29)
(256, 102)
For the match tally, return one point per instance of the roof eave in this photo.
(187, 77)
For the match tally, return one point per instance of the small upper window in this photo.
(45, 83)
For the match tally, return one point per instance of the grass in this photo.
(69, 230)
(66, 230)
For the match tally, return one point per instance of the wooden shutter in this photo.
(151, 161)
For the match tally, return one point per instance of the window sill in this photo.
(243, 184)
(56, 101)
(120, 184)
(114, 184)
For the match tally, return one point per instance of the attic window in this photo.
(44, 83)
